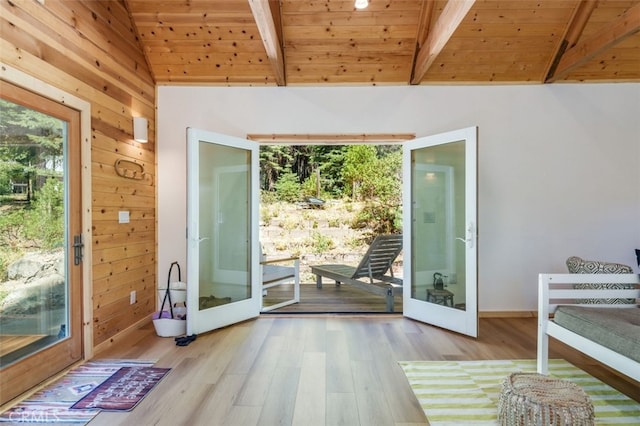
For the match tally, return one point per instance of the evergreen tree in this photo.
(31, 145)
(274, 159)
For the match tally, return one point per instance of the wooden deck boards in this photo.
(329, 299)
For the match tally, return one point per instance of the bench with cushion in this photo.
(609, 333)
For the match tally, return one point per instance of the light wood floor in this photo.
(315, 369)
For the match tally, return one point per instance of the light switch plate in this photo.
(123, 217)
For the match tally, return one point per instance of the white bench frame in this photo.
(274, 274)
(556, 289)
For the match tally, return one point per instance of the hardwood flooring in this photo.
(315, 369)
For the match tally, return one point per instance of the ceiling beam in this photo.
(451, 16)
(574, 29)
(263, 15)
(609, 35)
(424, 23)
(426, 13)
(330, 139)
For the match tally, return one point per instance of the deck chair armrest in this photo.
(282, 259)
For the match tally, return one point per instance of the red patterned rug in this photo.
(123, 390)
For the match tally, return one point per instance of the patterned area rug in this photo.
(52, 404)
(466, 392)
(123, 390)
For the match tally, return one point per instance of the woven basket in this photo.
(535, 399)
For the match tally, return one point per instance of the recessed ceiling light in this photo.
(362, 4)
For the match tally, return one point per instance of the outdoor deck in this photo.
(329, 299)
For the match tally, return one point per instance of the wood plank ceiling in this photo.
(391, 42)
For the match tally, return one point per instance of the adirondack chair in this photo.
(371, 274)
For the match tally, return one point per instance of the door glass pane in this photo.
(33, 278)
(438, 194)
(224, 251)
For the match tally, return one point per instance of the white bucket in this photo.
(170, 327)
(177, 291)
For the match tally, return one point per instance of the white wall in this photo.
(559, 165)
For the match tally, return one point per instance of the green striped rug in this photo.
(455, 392)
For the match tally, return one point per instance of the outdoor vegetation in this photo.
(324, 202)
(31, 187)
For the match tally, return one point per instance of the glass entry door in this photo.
(440, 230)
(222, 231)
(40, 228)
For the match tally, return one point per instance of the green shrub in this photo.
(288, 188)
(7, 256)
(380, 218)
(266, 216)
(354, 243)
(12, 228)
(46, 219)
(268, 197)
(321, 243)
(289, 224)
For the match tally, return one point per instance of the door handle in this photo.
(78, 247)
(470, 240)
(201, 239)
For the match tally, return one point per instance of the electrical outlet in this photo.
(132, 297)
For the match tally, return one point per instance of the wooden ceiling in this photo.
(391, 42)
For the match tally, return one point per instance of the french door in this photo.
(440, 230)
(222, 231)
(40, 202)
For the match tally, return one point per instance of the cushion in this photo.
(615, 328)
(273, 273)
(577, 265)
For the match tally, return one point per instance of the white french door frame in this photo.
(464, 321)
(200, 321)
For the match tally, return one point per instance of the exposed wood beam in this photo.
(263, 16)
(426, 13)
(627, 25)
(330, 139)
(574, 29)
(424, 24)
(451, 16)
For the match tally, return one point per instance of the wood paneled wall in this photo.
(90, 49)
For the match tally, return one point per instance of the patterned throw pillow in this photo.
(577, 265)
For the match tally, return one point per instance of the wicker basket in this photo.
(535, 399)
